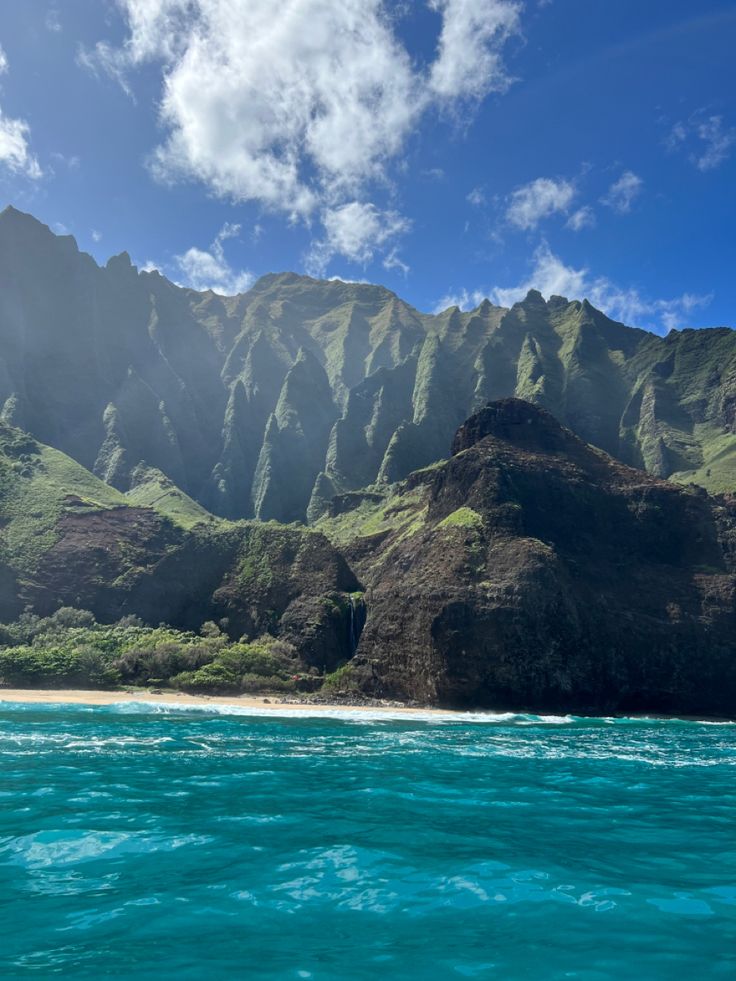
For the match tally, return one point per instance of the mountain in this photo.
(533, 571)
(489, 519)
(69, 540)
(528, 571)
(269, 403)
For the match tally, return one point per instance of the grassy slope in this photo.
(403, 513)
(153, 489)
(718, 470)
(37, 485)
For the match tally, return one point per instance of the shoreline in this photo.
(264, 704)
(102, 697)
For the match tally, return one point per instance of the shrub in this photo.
(340, 680)
(56, 666)
(241, 667)
(71, 648)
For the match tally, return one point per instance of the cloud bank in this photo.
(304, 112)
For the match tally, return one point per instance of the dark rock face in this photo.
(544, 575)
(518, 422)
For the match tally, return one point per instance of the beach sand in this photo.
(73, 696)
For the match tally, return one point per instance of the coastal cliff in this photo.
(533, 571)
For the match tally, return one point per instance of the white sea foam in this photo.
(356, 714)
(347, 714)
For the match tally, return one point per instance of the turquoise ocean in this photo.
(151, 842)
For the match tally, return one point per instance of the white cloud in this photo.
(394, 261)
(676, 136)
(551, 277)
(210, 270)
(357, 230)
(53, 21)
(476, 197)
(72, 163)
(469, 63)
(582, 218)
(15, 153)
(718, 142)
(464, 299)
(529, 204)
(305, 110)
(623, 192)
(707, 136)
(96, 236)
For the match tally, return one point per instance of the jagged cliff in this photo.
(268, 403)
(533, 571)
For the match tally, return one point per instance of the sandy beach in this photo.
(73, 696)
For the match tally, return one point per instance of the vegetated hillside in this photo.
(533, 571)
(268, 403)
(530, 570)
(69, 540)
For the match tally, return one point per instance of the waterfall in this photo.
(356, 621)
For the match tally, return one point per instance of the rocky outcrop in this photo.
(532, 571)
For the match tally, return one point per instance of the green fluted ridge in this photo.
(256, 405)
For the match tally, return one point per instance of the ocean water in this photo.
(152, 842)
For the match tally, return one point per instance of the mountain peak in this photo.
(119, 263)
(512, 420)
(12, 218)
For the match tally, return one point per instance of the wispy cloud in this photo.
(469, 63)
(53, 21)
(582, 218)
(551, 276)
(706, 138)
(531, 203)
(464, 299)
(357, 231)
(476, 197)
(623, 192)
(15, 152)
(210, 270)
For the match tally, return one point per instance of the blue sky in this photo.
(449, 149)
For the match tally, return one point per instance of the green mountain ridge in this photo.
(267, 403)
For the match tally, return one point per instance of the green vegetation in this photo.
(268, 548)
(717, 470)
(37, 486)
(153, 489)
(462, 518)
(340, 680)
(404, 514)
(70, 648)
(238, 402)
